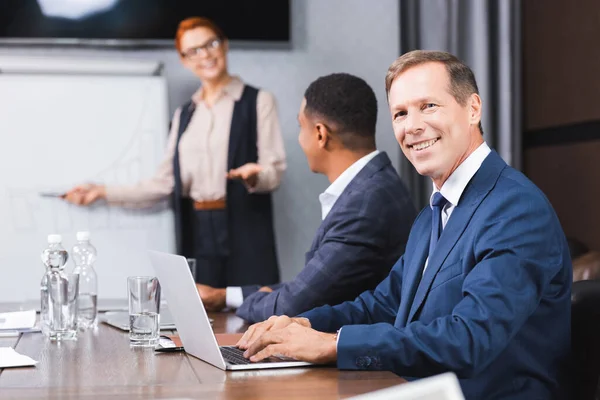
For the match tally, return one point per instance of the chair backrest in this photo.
(585, 339)
(586, 267)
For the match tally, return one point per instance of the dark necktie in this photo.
(437, 204)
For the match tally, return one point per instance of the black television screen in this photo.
(138, 21)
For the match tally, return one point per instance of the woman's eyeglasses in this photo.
(210, 46)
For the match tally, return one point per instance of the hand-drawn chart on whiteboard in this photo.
(58, 131)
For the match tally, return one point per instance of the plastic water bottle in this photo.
(84, 255)
(58, 305)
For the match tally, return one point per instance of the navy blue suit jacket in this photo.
(353, 250)
(493, 304)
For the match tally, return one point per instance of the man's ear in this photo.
(323, 134)
(475, 109)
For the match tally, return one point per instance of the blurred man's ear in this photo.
(323, 134)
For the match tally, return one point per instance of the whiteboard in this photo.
(59, 130)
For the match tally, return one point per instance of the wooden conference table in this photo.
(100, 364)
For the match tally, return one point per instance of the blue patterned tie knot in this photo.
(437, 203)
(438, 200)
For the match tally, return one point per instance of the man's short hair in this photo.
(348, 106)
(462, 79)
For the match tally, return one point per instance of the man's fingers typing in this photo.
(255, 331)
(255, 334)
(247, 337)
(269, 351)
(260, 343)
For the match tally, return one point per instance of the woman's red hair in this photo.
(193, 23)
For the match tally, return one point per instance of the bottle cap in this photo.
(54, 238)
(83, 235)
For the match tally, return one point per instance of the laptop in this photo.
(192, 322)
(438, 387)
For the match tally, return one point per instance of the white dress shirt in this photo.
(233, 295)
(456, 183)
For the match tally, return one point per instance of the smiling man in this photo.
(484, 286)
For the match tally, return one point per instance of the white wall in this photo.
(355, 36)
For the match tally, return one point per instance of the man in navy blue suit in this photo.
(484, 286)
(366, 211)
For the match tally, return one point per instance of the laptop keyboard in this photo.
(235, 356)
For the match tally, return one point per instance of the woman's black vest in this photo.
(252, 253)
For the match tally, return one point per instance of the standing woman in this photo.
(224, 156)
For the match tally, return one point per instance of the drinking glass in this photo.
(144, 310)
(64, 291)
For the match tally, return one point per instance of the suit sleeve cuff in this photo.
(233, 297)
(247, 290)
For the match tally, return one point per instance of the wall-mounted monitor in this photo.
(139, 22)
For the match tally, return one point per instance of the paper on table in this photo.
(10, 358)
(17, 320)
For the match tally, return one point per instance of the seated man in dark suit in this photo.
(484, 287)
(366, 211)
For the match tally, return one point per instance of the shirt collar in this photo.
(456, 183)
(337, 187)
(233, 89)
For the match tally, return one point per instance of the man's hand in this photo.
(297, 342)
(84, 195)
(212, 298)
(265, 289)
(274, 322)
(247, 172)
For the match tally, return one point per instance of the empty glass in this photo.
(144, 310)
(63, 292)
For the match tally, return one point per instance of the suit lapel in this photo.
(318, 237)
(480, 185)
(414, 257)
(375, 165)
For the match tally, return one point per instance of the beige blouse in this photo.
(203, 151)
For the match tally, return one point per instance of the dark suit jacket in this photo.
(493, 304)
(354, 249)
